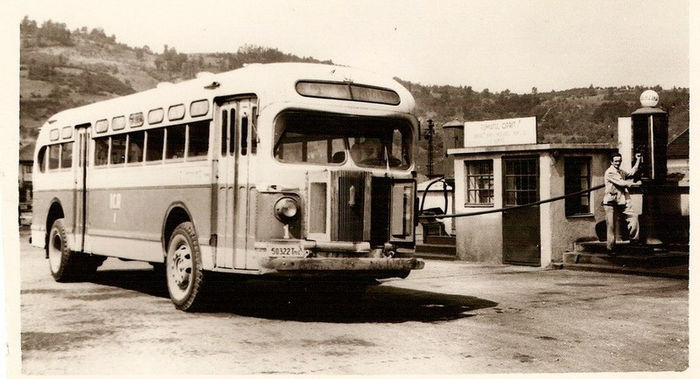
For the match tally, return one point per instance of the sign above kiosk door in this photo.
(512, 131)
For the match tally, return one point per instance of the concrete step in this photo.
(659, 263)
(434, 251)
(621, 248)
(440, 240)
(657, 259)
(680, 272)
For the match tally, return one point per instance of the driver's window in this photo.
(317, 151)
(367, 151)
(398, 155)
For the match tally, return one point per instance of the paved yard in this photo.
(450, 318)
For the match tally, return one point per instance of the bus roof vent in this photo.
(164, 84)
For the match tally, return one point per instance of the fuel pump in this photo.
(655, 198)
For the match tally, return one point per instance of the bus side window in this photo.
(244, 134)
(101, 151)
(135, 147)
(41, 159)
(54, 154)
(253, 132)
(232, 132)
(224, 131)
(118, 151)
(154, 144)
(175, 142)
(198, 141)
(67, 155)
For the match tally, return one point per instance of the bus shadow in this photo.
(280, 300)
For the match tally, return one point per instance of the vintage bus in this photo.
(285, 169)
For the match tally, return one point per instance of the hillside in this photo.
(60, 69)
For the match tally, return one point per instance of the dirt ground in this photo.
(450, 318)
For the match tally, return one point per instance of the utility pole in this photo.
(429, 136)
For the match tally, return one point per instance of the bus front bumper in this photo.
(357, 265)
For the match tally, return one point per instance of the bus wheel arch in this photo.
(176, 214)
(55, 213)
(65, 264)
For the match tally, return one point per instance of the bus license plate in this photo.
(286, 251)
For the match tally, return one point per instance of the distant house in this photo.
(678, 154)
(678, 164)
(26, 161)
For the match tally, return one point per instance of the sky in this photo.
(500, 44)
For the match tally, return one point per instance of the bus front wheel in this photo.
(183, 267)
(67, 265)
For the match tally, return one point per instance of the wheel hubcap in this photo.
(181, 266)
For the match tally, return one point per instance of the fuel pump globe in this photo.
(649, 98)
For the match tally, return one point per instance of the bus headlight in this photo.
(286, 209)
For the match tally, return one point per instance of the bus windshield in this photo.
(324, 138)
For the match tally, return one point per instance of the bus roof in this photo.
(271, 83)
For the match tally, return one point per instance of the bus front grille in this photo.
(352, 203)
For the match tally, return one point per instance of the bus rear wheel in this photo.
(67, 265)
(183, 268)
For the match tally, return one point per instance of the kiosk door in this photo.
(521, 227)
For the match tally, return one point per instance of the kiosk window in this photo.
(577, 177)
(479, 177)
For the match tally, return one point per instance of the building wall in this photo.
(479, 238)
(547, 221)
(566, 230)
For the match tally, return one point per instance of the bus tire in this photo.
(67, 265)
(183, 266)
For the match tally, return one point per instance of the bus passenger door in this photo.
(80, 191)
(234, 228)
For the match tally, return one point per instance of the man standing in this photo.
(617, 199)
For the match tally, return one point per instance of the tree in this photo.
(608, 112)
(55, 32)
(98, 34)
(27, 26)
